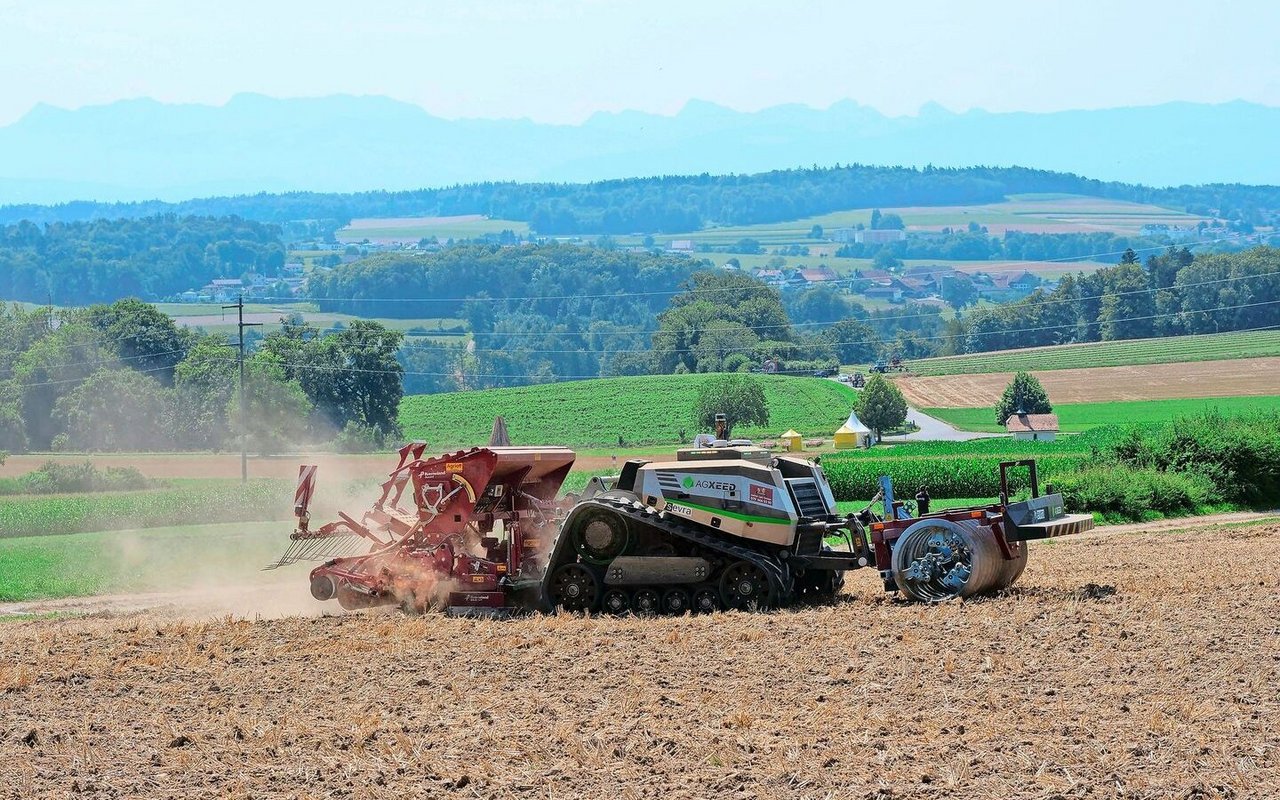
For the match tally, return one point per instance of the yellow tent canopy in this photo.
(852, 433)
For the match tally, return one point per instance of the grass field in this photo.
(411, 229)
(1083, 416)
(642, 410)
(1030, 213)
(1209, 347)
(156, 559)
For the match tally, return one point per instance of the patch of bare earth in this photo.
(1233, 378)
(1125, 666)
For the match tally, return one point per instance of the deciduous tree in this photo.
(881, 406)
(1024, 393)
(739, 397)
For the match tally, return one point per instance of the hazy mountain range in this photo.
(144, 149)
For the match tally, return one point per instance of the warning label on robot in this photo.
(760, 494)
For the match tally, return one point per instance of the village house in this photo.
(222, 290)
(1033, 427)
(772, 277)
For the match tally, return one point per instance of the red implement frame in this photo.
(481, 521)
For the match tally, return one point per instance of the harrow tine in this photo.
(321, 548)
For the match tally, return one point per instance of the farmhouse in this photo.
(223, 289)
(1033, 427)
(879, 236)
(1005, 286)
(819, 275)
(891, 293)
(681, 246)
(877, 276)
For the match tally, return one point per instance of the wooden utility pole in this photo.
(244, 434)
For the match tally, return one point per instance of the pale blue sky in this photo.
(562, 60)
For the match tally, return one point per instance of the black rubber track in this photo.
(777, 571)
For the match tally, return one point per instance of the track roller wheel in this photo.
(706, 600)
(600, 536)
(616, 602)
(675, 602)
(745, 586)
(646, 602)
(574, 588)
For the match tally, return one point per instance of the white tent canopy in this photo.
(853, 425)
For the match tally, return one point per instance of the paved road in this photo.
(935, 430)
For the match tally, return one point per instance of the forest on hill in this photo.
(729, 321)
(75, 263)
(682, 203)
(125, 377)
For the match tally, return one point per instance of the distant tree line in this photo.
(674, 204)
(1171, 294)
(535, 313)
(73, 263)
(125, 377)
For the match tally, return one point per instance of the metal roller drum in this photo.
(940, 559)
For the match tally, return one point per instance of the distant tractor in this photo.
(896, 364)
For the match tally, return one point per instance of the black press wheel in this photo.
(646, 602)
(675, 602)
(574, 588)
(323, 588)
(352, 600)
(616, 602)
(706, 600)
(745, 586)
(600, 536)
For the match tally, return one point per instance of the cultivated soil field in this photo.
(1233, 378)
(1165, 350)
(1135, 666)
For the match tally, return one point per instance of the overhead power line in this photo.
(1072, 325)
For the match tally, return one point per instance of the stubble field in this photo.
(1139, 665)
(1235, 378)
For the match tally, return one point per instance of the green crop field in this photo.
(169, 558)
(1083, 416)
(1208, 347)
(184, 501)
(967, 476)
(642, 410)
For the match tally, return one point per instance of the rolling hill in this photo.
(651, 409)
